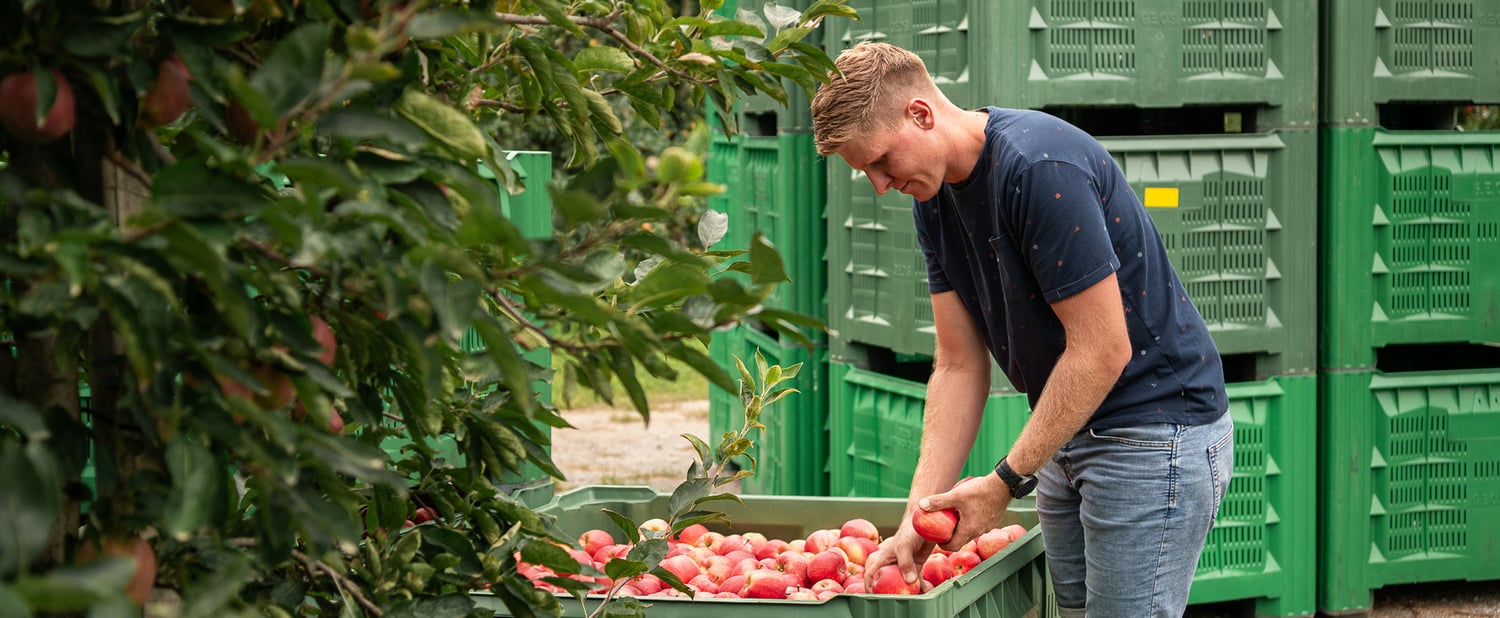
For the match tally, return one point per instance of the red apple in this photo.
(861, 528)
(937, 569)
(794, 565)
(424, 515)
(888, 580)
(656, 528)
(647, 584)
(323, 334)
(733, 543)
(244, 128)
(857, 548)
(168, 97)
(770, 549)
(964, 560)
(734, 584)
(138, 588)
(855, 587)
(935, 526)
(711, 540)
(1014, 532)
(822, 540)
(830, 564)
(703, 583)
(765, 585)
(991, 543)
(755, 540)
(691, 533)
(593, 540)
(336, 423)
(827, 584)
(681, 566)
(18, 107)
(802, 594)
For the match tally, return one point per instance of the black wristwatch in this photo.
(1020, 486)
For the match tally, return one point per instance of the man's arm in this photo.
(1097, 350)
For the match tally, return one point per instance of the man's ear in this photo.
(920, 110)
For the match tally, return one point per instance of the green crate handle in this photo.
(1473, 420)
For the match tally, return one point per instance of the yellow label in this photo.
(1161, 197)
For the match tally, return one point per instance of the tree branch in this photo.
(344, 584)
(602, 24)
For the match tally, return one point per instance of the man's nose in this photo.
(881, 182)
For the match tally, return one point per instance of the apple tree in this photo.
(243, 242)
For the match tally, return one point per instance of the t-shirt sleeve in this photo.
(1060, 229)
(937, 279)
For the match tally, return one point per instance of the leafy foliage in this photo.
(344, 173)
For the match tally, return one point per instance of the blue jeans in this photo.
(1125, 513)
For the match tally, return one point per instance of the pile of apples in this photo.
(826, 563)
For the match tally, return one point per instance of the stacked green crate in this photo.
(775, 187)
(1411, 234)
(1237, 212)
(1262, 544)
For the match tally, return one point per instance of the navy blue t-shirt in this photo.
(1044, 215)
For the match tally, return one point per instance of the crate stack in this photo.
(775, 186)
(1410, 393)
(1210, 109)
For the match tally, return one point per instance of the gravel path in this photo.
(614, 447)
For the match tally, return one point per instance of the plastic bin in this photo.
(1140, 53)
(1410, 481)
(1392, 51)
(781, 188)
(1240, 227)
(792, 453)
(1261, 547)
(1012, 583)
(1411, 235)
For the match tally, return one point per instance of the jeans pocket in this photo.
(1157, 436)
(1221, 466)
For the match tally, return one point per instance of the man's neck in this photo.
(968, 144)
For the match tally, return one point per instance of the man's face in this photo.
(898, 158)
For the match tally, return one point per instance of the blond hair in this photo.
(875, 81)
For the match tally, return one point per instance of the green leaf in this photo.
(444, 22)
(729, 27)
(544, 553)
(294, 70)
(22, 416)
(558, 15)
(450, 126)
(189, 188)
(627, 526)
(686, 496)
(211, 593)
(765, 263)
(30, 502)
(823, 8)
(195, 477)
(624, 568)
(75, 587)
(603, 58)
(456, 544)
(669, 283)
(704, 452)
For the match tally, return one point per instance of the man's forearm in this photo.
(1078, 385)
(951, 419)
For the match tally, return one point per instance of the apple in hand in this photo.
(935, 526)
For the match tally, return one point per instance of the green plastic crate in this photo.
(1139, 53)
(1260, 548)
(1411, 235)
(1011, 584)
(1410, 481)
(792, 453)
(1389, 51)
(875, 429)
(1238, 215)
(776, 185)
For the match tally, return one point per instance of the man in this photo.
(1040, 254)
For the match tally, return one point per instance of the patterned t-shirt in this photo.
(1046, 214)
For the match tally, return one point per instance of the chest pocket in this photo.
(1016, 282)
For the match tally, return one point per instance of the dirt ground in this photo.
(613, 447)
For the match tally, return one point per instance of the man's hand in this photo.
(980, 502)
(902, 549)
